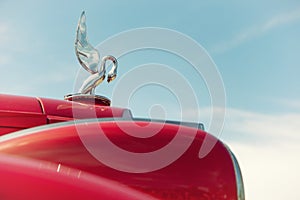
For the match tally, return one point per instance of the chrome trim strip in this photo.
(126, 117)
(188, 124)
(238, 175)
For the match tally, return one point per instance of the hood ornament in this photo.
(89, 59)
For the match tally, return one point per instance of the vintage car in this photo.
(82, 148)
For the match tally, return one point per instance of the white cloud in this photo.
(292, 104)
(242, 126)
(264, 128)
(268, 151)
(280, 20)
(258, 30)
(269, 172)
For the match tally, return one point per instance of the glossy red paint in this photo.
(23, 178)
(20, 104)
(18, 112)
(62, 144)
(189, 177)
(69, 110)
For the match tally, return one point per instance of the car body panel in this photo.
(211, 177)
(18, 112)
(23, 178)
(69, 110)
(35, 130)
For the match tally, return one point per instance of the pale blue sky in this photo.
(255, 45)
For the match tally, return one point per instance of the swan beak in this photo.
(111, 77)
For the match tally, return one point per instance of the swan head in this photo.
(111, 77)
(112, 74)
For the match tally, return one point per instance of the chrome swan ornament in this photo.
(89, 58)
